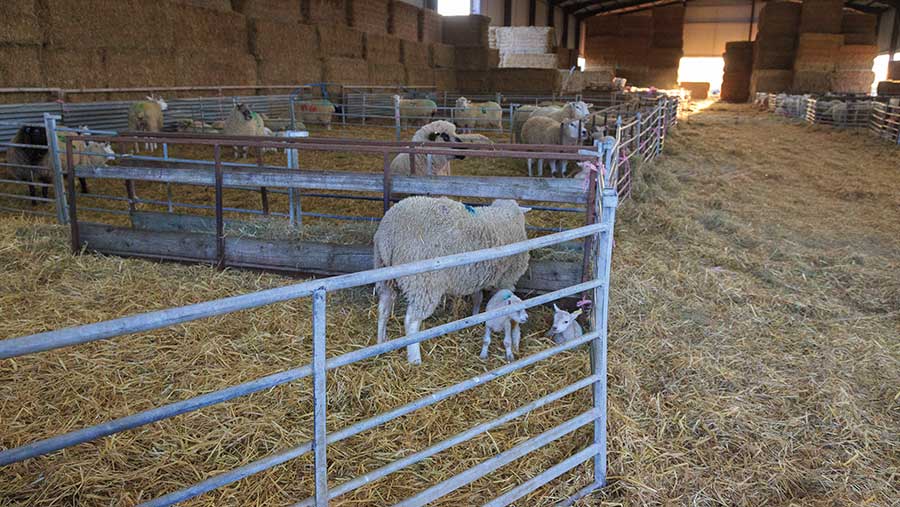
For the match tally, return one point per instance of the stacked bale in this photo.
(20, 48)
(342, 50)
(894, 70)
(738, 58)
(326, 11)
(216, 5)
(775, 48)
(286, 53)
(566, 58)
(822, 16)
(416, 58)
(859, 28)
(473, 57)
(698, 90)
(853, 69)
(444, 59)
(371, 16)
(632, 50)
(889, 87)
(467, 31)
(603, 36)
(817, 56)
(525, 80)
(403, 20)
(668, 26)
(524, 46)
(278, 10)
(430, 26)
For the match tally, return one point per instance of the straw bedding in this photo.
(752, 359)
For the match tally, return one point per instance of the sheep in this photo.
(520, 116)
(565, 326)
(509, 324)
(436, 131)
(317, 111)
(243, 122)
(189, 125)
(420, 228)
(471, 115)
(570, 111)
(147, 116)
(545, 130)
(412, 110)
(475, 138)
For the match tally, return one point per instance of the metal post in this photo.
(512, 113)
(637, 135)
(387, 181)
(363, 108)
(319, 407)
(397, 116)
(53, 144)
(220, 219)
(263, 191)
(70, 180)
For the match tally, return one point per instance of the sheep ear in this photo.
(524, 209)
(576, 313)
(556, 308)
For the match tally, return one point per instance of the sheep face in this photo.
(562, 320)
(509, 204)
(581, 109)
(103, 149)
(244, 110)
(447, 138)
(573, 130)
(462, 102)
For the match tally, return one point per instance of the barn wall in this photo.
(709, 24)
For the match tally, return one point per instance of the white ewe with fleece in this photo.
(570, 111)
(243, 122)
(147, 116)
(545, 130)
(413, 111)
(437, 131)
(419, 228)
(508, 324)
(565, 326)
(486, 115)
(522, 114)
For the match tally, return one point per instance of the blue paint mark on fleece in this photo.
(470, 209)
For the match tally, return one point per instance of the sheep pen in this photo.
(752, 354)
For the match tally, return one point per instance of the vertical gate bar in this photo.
(599, 345)
(319, 408)
(132, 196)
(397, 117)
(263, 191)
(220, 220)
(387, 181)
(53, 145)
(512, 124)
(70, 183)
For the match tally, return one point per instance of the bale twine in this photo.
(340, 41)
(19, 23)
(382, 48)
(821, 16)
(277, 10)
(403, 20)
(371, 16)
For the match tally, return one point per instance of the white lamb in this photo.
(471, 115)
(508, 324)
(545, 130)
(243, 122)
(565, 326)
(570, 111)
(437, 131)
(419, 228)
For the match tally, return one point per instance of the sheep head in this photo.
(244, 110)
(510, 299)
(562, 321)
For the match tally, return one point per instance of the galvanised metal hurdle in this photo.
(599, 233)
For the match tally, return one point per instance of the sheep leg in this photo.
(507, 339)
(516, 336)
(486, 342)
(477, 298)
(529, 168)
(565, 166)
(31, 193)
(386, 297)
(44, 191)
(84, 187)
(540, 168)
(413, 351)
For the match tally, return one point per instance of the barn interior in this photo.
(183, 181)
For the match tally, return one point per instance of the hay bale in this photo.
(821, 16)
(129, 68)
(386, 74)
(774, 60)
(216, 5)
(382, 48)
(662, 77)
(474, 81)
(638, 24)
(566, 58)
(83, 68)
(466, 31)
(345, 71)
(419, 76)
(278, 10)
(370, 16)
(340, 41)
(443, 55)
(125, 24)
(852, 81)
(779, 19)
(635, 75)
(198, 29)
(525, 80)
(856, 57)
(272, 39)
(22, 66)
(598, 79)
(430, 26)
(664, 57)
(671, 41)
(445, 80)
(477, 58)
(668, 26)
(608, 25)
(771, 81)
(528, 61)
(523, 39)
(415, 54)
(326, 11)
(858, 22)
(738, 56)
(735, 86)
(19, 23)
(894, 70)
(287, 71)
(889, 87)
(404, 20)
(811, 81)
(817, 52)
(571, 82)
(699, 91)
(214, 67)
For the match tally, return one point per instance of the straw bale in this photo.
(415, 54)
(779, 19)
(523, 39)
(598, 79)
(419, 76)
(699, 90)
(817, 52)
(668, 16)
(667, 40)
(781, 44)
(128, 68)
(197, 29)
(566, 58)
(635, 75)
(345, 71)
(382, 48)
(735, 86)
(216, 5)
(821, 16)
(288, 68)
(124, 24)
(278, 10)
(572, 82)
(404, 20)
(526, 80)
(811, 81)
(83, 68)
(444, 56)
(864, 39)
(739, 47)
(273, 39)
(663, 78)
(852, 81)
(477, 58)
(528, 61)
(326, 11)
(214, 67)
(783, 60)
(386, 74)
(856, 57)
(771, 81)
(430, 24)
(340, 41)
(858, 22)
(470, 81)
(466, 31)
(639, 24)
(445, 80)
(889, 87)
(603, 25)
(19, 23)
(894, 70)
(21, 66)
(664, 57)
(371, 16)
